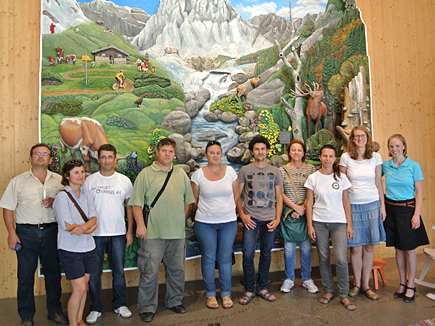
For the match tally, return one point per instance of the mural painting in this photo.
(196, 71)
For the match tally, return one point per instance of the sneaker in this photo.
(92, 317)
(310, 286)
(123, 311)
(287, 286)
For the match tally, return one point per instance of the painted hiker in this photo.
(262, 184)
(33, 233)
(166, 190)
(110, 191)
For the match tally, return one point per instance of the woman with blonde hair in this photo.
(403, 200)
(363, 167)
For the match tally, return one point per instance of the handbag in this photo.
(146, 208)
(84, 217)
(293, 230)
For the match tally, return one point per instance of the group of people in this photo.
(81, 221)
(342, 204)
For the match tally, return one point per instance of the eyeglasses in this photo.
(74, 161)
(360, 136)
(41, 153)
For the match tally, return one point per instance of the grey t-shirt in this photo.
(259, 190)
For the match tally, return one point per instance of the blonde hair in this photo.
(351, 147)
(402, 139)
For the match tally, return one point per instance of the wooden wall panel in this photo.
(399, 37)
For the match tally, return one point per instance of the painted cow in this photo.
(255, 82)
(144, 66)
(51, 60)
(83, 134)
(71, 57)
(60, 55)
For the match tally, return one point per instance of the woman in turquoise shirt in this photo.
(403, 225)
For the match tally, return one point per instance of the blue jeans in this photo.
(216, 242)
(290, 259)
(43, 243)
(116, 252)
(249, 244)
(337, 233)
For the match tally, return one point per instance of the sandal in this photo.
(372, 296)
(84, 323)
(398, 295)
(227, 303)
(353, 294)
(325, 299)
(348, 305)
(266, 296)
(410, 299)
(212, 303)
(247, 298)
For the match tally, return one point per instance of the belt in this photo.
(407, 204)
(41, 225)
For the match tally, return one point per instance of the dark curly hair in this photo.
(258, 140)
(68, 166)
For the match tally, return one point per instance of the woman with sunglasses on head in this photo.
(76, 246)
(363, 167)
(293, 225)
(403, 225)
(329, 217)
(216, 191)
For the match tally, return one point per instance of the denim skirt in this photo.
(367, 225)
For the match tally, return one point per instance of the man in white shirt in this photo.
(33, 233)
(110, 191)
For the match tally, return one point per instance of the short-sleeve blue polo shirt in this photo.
(400, 180)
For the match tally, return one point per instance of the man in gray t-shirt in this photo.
(262, 184)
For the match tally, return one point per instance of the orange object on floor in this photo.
(378, 265)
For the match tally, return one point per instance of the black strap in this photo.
(84, 217)
(162, 189)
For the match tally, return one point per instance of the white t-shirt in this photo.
(216, 198)
(109, 195)
(328, 197)
(362, 175)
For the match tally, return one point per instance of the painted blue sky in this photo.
(246, 8)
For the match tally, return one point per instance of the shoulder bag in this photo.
(84, 217)
(293, 230)
(146, 208)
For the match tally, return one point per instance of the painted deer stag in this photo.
(316, 110)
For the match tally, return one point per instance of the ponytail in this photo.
(336, 169)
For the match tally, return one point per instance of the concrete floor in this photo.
(295, 308)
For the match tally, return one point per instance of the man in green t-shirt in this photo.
(163, 239)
